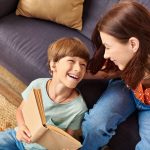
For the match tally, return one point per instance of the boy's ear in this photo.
(52, 65)
(134, 44)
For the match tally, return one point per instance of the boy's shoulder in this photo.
(39, 80)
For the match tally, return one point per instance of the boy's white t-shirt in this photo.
(67, 115)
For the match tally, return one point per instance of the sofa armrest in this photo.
(7, 6)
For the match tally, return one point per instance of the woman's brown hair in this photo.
(125, 20)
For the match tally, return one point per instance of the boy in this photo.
(63, 104)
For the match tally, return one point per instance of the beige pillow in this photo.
(66, 12)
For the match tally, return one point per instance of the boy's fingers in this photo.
(22, 138)
(27, 132)
(27, 135)
(25, 138)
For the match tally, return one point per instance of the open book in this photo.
(51, 137)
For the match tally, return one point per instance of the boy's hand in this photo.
(23, 134)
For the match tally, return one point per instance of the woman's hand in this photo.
(98, 75)
(23, 134)
(146, 83)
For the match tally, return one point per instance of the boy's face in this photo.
(69, 70)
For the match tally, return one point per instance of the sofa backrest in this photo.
(7, 6)
(93, 10)
(146, 3)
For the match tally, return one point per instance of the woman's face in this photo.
(117, 52)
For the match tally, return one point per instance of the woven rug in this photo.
(10, 98)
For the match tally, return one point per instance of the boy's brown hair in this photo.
(67, 46)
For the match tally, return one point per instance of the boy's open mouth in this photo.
(73, 76)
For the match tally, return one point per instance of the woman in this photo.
(122, 42)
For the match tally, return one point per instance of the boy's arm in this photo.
(19, 116)
(22, 134)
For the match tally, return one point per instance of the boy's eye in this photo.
(83, 65)
(70, 60)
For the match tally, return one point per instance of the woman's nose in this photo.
(106, 55)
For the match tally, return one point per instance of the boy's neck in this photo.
(60, 94)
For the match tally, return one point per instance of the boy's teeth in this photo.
(73, 76)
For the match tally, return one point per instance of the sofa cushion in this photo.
(65, 12)
(24, 43)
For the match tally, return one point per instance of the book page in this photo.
(57, 139)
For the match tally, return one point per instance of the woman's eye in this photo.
(106, 48)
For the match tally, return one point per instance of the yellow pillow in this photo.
(66, 12)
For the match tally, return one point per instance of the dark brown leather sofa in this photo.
(23, 51)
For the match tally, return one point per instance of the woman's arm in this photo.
(100, 75)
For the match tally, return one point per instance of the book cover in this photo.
(49, 136)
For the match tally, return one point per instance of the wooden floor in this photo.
(10, 86)
(10, 98)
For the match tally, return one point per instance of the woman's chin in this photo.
(121, 67)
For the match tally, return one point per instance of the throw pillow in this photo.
(66, 12)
